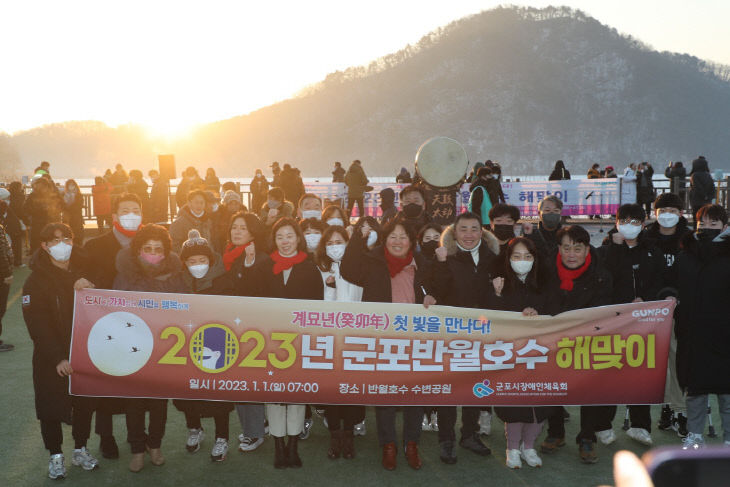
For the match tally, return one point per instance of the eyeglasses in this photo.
(148, 249)
(56, 241)
(629, 221)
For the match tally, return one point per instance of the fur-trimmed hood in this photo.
(448, 240)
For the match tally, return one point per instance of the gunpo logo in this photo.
(482, 389)
(644, 313)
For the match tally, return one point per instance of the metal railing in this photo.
(660, 185)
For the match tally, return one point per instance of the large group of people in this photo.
(306, 249)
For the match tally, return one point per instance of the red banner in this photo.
(130, 344)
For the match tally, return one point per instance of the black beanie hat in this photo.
(195, 245)
(668, 200)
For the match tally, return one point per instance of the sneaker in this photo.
(641, 435)
(195, 438)
(513, 459)
(434, 423)
(82, 458)
(425, 425)
(308, 422)
(56, 468)
(693, 441)
(530, 456)
(666, 420)
(220, 450)
(606, 436)
(447, 454)
(474, 443)
(359, 429)
(485, 423)
(6, 347)
(680, 425)
(551, 444)
(587, 452)
(248, 444)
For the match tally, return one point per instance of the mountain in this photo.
(518, 85)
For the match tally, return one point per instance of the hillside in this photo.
(521, 86)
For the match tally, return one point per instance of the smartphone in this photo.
(672, 466)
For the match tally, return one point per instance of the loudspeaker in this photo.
(167, 166)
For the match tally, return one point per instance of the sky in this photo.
(169, 65)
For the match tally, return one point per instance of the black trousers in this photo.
(385, 419)
(640, 416)
(196, 410)
(447, 422)
(18, 250)
(345, 417)
(137, 436)
(107, 407)
(4, 291)
(360, 206)
(82, 410)
(594, 418)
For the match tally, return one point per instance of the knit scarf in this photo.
(231, 253)
(282, 263)
(396, 264)
(126, 233)
(567, 276)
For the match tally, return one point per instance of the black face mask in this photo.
(708, 234)
(428, 249)
(413, 210)
(504, 232)
(551, 220)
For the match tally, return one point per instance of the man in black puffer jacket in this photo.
(703, 324)
(637, 271)
(667, 232)
(461, 274)
(583, 282)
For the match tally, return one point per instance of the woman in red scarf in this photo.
(292, 275)
(391, 273)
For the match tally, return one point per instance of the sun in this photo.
(170, 128)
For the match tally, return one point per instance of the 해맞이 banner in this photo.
(579, 196)
(133, 344)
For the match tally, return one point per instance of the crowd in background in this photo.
(292, 244)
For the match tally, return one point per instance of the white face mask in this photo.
(335, 252)
(521, 266)
(197, 215)
(630, 232)
(60, 252)
(372, 238)
(668, 220)
(198, 271)
(130, 221)
(307, 214)
(335, 221)
(312, 240)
